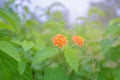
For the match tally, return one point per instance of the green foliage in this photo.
(113, 30)
(8, 67)
(113, 53)
(22, 66)
(72, 58)
(27, 45)
(27, 75)
(4, 25)
(11, 18)
(43, 54)
(106, 47)
(117, 74)
(96, 11)
(9, 49)
(27, 51)
(114, 21)
(102, 76)
(56, 73)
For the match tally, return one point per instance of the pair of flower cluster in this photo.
(60, 40)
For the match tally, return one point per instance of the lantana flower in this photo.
(59, 40)
(78, 40)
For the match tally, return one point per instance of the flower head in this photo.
(59, 40)
(78, 40)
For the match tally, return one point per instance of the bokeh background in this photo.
(42, 10)
(27, 28)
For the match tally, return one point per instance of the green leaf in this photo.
(95, 10)
(114, 21)
(10, 18)
(9, 49)
(72, 58)
(27, 75)
(117, 74)
(8, 67)
(113, 30)
(57, 15)
(27, 45)
(106, 45)
(113, 53)
(101, 76)
(4, 25)
(26, 9)
(22, 66)
(43, 54)
(56, 73)
(96, 23)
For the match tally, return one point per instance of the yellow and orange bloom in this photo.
(78, 40)
(59, 40)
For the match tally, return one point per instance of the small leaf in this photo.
(95, 10)
(117, 74)
(22, 66)
(114, 21)
(72, 58)
(26, 9)
(8, 67)
(10, 18)
(101, 76)
(113, 30)
(106, 45)
(56, 73)
(96, 23)
(43, 54)
(9, 49)
(27, 75)
(113, 53)
(27, 45)
(4, 25)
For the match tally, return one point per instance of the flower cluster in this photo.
(78, 40)
(60, 40)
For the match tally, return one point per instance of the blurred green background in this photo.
(27, 51)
